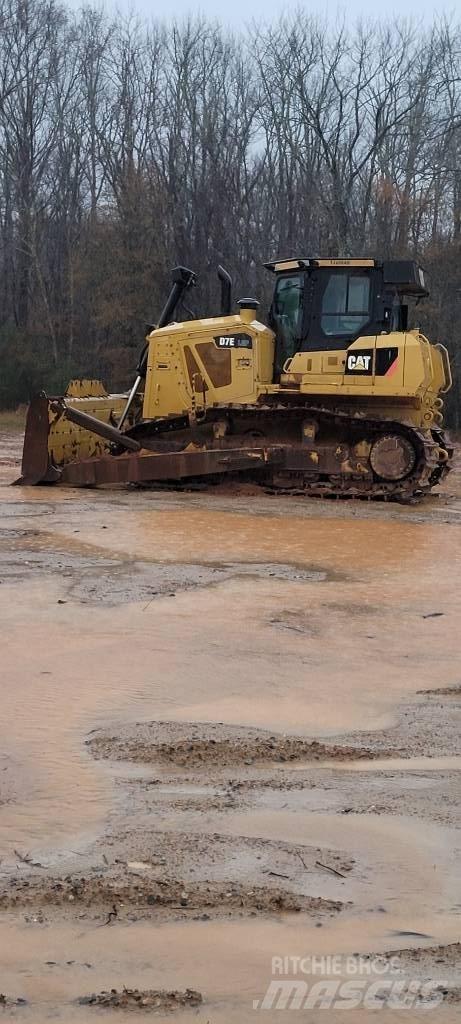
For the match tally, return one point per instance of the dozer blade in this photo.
(52, 440)
(36, 465)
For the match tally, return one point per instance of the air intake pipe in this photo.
(182, 280)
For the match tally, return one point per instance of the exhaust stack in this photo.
(226, 291)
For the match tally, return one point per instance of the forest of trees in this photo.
(127, 147)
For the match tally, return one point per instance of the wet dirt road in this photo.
(230, 732)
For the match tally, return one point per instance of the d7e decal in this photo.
(233, 341)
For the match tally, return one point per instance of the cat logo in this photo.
(359, 363)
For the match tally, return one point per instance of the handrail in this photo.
(446, 367)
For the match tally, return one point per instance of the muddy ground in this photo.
(231, 733)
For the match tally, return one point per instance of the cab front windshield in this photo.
(345, 307)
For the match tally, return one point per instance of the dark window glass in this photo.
(345, 304)
(287, 311)
(396, 316)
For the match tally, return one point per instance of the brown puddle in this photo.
(69, 669)
(208, 535)
(317, 657)
(228, 962)
(314, 657)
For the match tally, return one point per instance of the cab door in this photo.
(286, 316)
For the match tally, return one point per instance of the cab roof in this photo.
(406, 276)
(303, 262)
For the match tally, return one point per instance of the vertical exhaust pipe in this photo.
(226, 291)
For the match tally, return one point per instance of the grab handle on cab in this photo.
(446, 367)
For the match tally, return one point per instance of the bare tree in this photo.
(125, 148)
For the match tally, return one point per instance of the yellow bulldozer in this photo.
(335, 396)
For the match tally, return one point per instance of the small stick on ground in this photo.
(111, 915)
(276, 874)
(26, 858)
(328, 868)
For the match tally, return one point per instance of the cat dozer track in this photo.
(322, 402)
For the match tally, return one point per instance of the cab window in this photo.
(286, 315)
(345, 305)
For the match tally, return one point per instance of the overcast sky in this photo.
(240, 12)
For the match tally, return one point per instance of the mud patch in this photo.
(211, 856)
(295, 621)
(155, 1000)
(426, 958)
(443, 691)
(6, 1003)
(139, 872)
(25, 509)
(115, 899)
(311, 622)
(423, 728)
(441, 964)
(95, 575)
(451, 996)
(194, 745)
(350, 608)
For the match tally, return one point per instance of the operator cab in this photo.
(325, 305)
